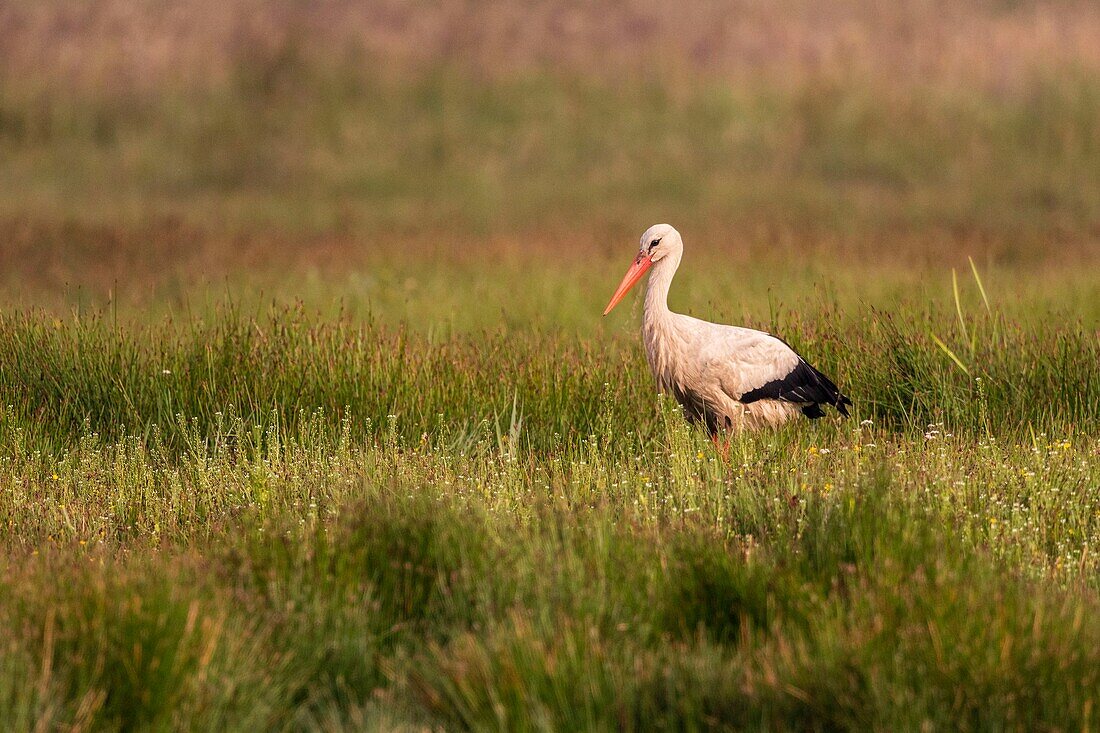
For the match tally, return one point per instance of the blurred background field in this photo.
(215, 140)
(309, 421)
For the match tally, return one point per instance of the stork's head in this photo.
(658, 242)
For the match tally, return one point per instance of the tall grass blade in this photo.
(958, 308)
(945, 349)
(981, 288)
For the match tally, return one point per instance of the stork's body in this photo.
(726, 377)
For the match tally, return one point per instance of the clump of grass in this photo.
(111, 647)
(343, 601)
(714, 590)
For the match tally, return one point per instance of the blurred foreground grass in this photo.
(846, 576)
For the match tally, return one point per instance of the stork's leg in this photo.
(722, 445)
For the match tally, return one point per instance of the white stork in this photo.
(727, 377)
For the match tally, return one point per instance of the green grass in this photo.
(841, 577)
(293, 519)
(906, 364)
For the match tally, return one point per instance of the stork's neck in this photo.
(656, 294)
(659, 333)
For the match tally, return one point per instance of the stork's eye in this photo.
(654, 243)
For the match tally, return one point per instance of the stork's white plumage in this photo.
(727, 377)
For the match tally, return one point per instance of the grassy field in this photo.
(309, 421)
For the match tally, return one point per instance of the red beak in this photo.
(633, 275)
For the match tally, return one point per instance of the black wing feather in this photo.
(802, 384)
